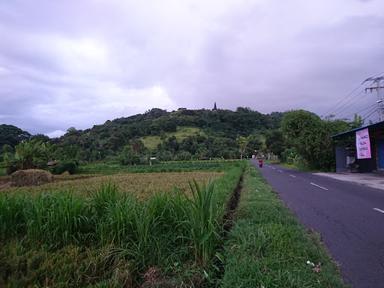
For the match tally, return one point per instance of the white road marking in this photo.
(318, 186)
(281, 171)
(273, 168)
(379, 210)
(293, 176)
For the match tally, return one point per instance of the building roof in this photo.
(371, 126)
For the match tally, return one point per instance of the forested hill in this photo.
(181, 134)
(12, 135)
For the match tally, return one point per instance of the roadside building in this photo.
(360, 149)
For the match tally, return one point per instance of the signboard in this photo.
(363, 145)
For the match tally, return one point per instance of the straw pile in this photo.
(30, 177)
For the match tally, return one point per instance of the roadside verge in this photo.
(267, 247)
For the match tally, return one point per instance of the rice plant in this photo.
(104, 197)
(58, 219)
(166, 230)
(12, 220)
(203, 222)
(115, 225)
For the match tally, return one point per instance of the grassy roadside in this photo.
(267, 247)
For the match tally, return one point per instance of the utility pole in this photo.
(376, 85)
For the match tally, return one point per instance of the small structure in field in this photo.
(152, 159)
(30, 177)
(52, 163)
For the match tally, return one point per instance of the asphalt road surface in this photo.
(349, 217)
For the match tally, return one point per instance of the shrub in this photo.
(69, 166)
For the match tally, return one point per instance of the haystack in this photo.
(30, 177)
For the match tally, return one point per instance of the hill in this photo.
(11, 135)
(178, 135)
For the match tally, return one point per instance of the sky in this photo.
(74, 63)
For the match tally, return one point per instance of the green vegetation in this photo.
(268, 248)
(29, 154)
(113, 239)
(152, 142)
(304, 139)
(170, 166)
(3, 171)
(11, 135)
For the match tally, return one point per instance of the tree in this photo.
(255, 143)
(128, 156)
(275, 142)
(71, 130)
(311, 137)
(40, 137)
(28, 154)
(303, 131)
(242, 142)
(357, 122)
(134, 153)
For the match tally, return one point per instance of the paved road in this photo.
(349, 217)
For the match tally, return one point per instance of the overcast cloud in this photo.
(80, 63)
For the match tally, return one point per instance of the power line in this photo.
(366, 118)
(349, 103)
(372, 77)
(345, 98)
(377, 86)
(360, 111)
(351, 99)
(369, 114)
(351, 107)
(374, 80)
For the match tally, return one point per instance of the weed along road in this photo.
(349, 217)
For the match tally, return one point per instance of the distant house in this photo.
(360, 149)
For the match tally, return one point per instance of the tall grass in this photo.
(165, 229)
(12, 217)
(58, 220)
(203, 222)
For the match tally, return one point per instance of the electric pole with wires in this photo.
(376, 85)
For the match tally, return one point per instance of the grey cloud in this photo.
(79, 63)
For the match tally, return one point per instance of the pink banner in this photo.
(363, 145)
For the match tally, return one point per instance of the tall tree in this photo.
(243, 143)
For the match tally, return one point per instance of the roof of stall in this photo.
(371, 126)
